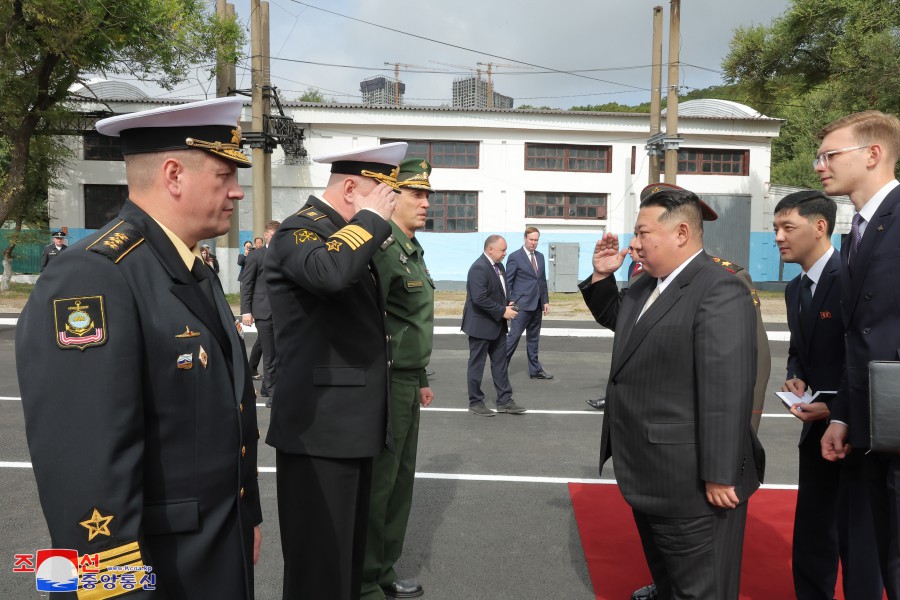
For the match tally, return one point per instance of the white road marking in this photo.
(469, 477)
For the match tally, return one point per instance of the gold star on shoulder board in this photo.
(333, 245)
(97, 525)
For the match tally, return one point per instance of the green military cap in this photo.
(413, 173)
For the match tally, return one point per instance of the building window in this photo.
(443, 154)
(705, 161)
(101, 147)
(563, 157)
(555, 205)
(452, 212)
(102, 203)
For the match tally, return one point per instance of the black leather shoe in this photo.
(598, 404)
(648, 592)
(510, 407)
(404, 588)
(481, 410)
(541, 375)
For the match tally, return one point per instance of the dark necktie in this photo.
(855, 237)
(202, 274)
(534, 264)
(500, 275)
(805, 299)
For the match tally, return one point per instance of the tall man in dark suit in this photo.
(679, 398)
(485, 315)
(824, 531)
(526, 275)
(150, 459)
(857, 157)
(330, 407)
(255, 308)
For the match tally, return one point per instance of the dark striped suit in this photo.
(679, 399)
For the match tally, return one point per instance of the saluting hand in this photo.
(382, 200)
(607, 258)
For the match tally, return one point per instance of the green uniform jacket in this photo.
(409, 298)
(140, 414)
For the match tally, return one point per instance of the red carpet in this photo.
(616, 561)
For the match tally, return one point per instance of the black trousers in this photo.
(323, 511)
(256, 354)
(881, 472)
(266, 337)
(697, 558)
(479, 350)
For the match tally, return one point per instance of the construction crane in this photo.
(490, 65)
(397, 66)
(478, 71)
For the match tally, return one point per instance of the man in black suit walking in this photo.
(823, 529)
(255, 308)
(857, 157)
(485, 315)
(679, 398)
(526, 275)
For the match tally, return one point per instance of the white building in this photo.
(574, 175)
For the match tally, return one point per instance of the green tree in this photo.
(311, 95)
(51, 44)
(819, 60)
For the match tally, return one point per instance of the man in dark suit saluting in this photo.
(857, 157)
(823, 529)
(526, 274)
(679, 398)
(485, 315)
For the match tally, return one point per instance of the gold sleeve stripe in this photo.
(354, 235)
(117, 551)
(101, 593)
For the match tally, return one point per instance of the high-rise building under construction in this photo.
(473, 92)
(382, 90)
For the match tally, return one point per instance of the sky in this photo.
(318, 44)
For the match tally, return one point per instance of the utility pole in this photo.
(256, 95)
(267, 110)
(227, 244)
(672, 98)
(655, 89)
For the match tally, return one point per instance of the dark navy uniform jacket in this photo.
(333, 347)
(50, 251)
(140, 414)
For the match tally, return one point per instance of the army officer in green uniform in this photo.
(148, 461)
(409, 303)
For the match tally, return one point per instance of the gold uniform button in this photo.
(243, 451)
(242, 492)
(242, 407)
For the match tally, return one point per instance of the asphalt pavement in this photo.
(492, 518)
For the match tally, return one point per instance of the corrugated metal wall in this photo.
(728, 237)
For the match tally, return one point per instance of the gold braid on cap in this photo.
(416, 180)
(232, 149)
(389, 180)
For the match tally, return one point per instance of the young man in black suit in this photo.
(857, 157)
(823, 528)
(485, 315)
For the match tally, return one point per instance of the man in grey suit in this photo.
(255, 308)
(526, 274)
(679, 398)
(485, 315)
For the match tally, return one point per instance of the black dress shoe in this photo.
(648, 592)
(404, 588)
(598, 404)
(541, 375)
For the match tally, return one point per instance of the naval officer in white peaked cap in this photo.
(148, 463)
(330, 408)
